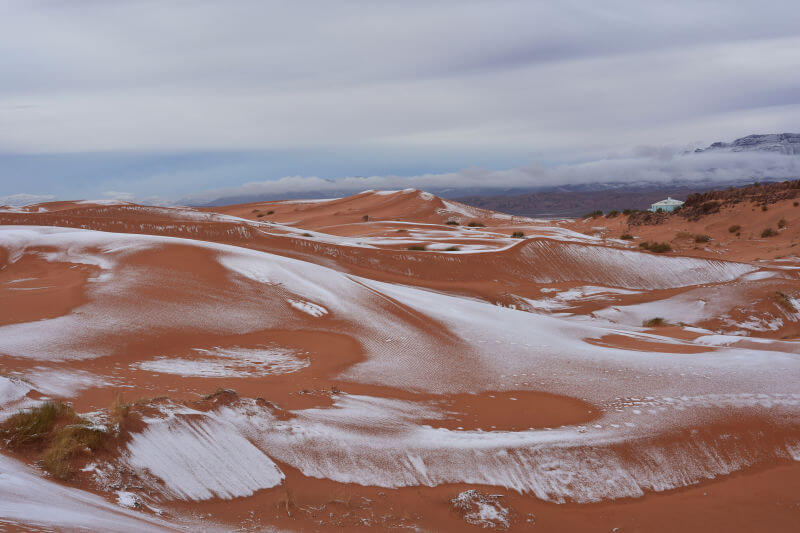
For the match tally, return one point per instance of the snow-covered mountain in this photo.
(784, 143)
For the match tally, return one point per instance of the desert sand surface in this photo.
(395, 360)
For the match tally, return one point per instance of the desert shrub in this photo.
(784, 301)
(474, 224)
(452, 222)
(796, 204)
(452, 249)
(270, 212)
(709, 207)
(654, 322)
(119, 410)
(593, 214)
(307, 235)
(260, 215)
(656, 247)
(33, 425)
(782, 223)
(768, 232)
(62, 435)
(365, 218)
(764, 207)
(627, 211)
(68, 443)
(417, 247)
(626, 237)
(734, 228)
(518, 235)
(613, 213)
(702, 238)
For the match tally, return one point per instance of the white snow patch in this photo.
(128, 499)
(312, 309)
(202, 459)
(228, 362)
(27, 499)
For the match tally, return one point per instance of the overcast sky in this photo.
(171, 100)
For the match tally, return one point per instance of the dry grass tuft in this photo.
(35, 425)
(68, 443)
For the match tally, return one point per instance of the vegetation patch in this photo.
(452, 249)
(452, 222)
(656, 247)
(518, 235)
(34, 426)
(70, 442)
(60, 435)
(474, 224)
(417, 248)
(654, 322)
(782, 223)
(734, 229)
(626, 237)
(612, 214)
(783, 300)
(702, 238)
(593, 214)
(768, 232)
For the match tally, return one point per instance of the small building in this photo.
(670, 204)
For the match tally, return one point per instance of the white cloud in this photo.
(645, 166)
(21, 199)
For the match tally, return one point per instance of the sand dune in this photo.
(308, 364)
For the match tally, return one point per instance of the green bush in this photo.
(452, 223)
(768, 232)
(626, 237)
(518, 235)
(476, 225)
(734, 228)
(654, 322)
(613, 213)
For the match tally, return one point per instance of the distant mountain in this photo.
(783, 143)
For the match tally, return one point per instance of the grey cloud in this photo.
(562, 82)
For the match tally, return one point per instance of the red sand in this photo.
(179, 275)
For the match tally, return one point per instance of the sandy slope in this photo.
(374, 383)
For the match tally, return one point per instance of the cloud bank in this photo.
(648, 165)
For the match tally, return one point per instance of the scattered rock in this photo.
(485, 510)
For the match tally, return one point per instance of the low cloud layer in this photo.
(646, 166)
(21, 199)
